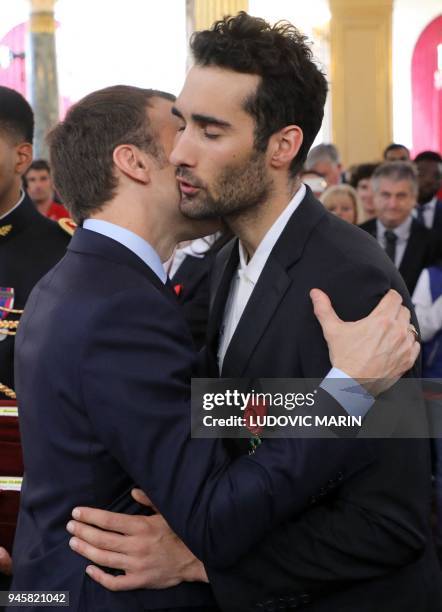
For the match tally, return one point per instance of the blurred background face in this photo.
(329, 170)
(399, 154)
(365, 192)
(39, 186)
(394, 201)
(429, 179)
(342, 205)
(316, 182)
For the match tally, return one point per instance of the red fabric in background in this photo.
(427, 99)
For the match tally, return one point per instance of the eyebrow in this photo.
(203, 119)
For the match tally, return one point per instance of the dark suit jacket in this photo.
(437, 221)
(192, 281)
(423, 249)
(364, 546)
(29, 249)
(103, 363)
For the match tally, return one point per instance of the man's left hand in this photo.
(144, 547)
(5, 562)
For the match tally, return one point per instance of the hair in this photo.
(322, 152)
(347, 190)
(82, 146)
(292, 89)
(361, 172)
(393, 147)
(396, 171)
(39, 164)
(428, 156)
(16, 116)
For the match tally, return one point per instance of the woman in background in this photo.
(343, 201)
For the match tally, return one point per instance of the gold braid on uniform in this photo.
(7, 326)
(11, 310)
(7, 391)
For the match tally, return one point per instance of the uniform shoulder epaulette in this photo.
(67, 225)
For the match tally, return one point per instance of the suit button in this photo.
(292, 603)
(331, 483)
(322, 492)
(270, 606)
(305, 598)
(313, 500)
(340, 476)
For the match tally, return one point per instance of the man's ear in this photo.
(284, 146)
(132, 162)
(24, 157)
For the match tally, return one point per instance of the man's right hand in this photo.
(377, 350)
(5, 562)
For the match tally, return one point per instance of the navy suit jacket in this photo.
(437, 221)
(103, 364)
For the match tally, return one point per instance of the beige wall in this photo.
(360, 39)
(208, 12)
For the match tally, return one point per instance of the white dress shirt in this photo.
(429, 313)
(195, 248)
(402, 232)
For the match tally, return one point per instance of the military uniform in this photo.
(30, 245)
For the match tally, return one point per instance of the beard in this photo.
(236, 189)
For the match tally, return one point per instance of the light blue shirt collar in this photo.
(131, 241)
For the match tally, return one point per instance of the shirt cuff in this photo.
(354, 398)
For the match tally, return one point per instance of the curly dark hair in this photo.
(292, 90)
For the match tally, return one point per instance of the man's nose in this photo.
(183, 153)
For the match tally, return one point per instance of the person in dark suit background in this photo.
(429, 207)
(190, 271)
(29, 245)
(107, 407)
(411, 246)
(249, 111)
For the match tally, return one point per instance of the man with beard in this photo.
(248, 113)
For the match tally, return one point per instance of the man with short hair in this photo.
(324, 159)
(396, 152)
(29, 246)
(104, 402)
(40, 189)
(429, 174)
(248, 113)
(411, 246)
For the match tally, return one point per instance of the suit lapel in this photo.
(225, 267)
(261, 307)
